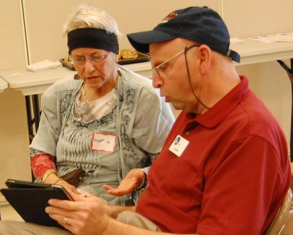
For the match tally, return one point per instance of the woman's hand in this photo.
(67, 186)
(54, 179)
(131, 182)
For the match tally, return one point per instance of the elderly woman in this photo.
(106, 120)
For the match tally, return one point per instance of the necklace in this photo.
(84, 111)
(84, 94)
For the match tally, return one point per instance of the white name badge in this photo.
(179, 145)
(104, 142)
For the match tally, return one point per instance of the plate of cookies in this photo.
(125, 56)
(128, 56)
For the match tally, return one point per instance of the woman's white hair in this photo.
(91, 17)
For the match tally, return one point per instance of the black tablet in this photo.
(30, 200)
(11, 183)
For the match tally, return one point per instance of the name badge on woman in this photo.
(103, 142)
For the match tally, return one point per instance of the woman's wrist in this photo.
(50, 177)
(47, 175)
(58, 179)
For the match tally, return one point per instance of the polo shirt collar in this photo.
(220, 110)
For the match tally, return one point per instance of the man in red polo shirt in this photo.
(224, 169)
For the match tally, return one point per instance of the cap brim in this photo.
(141, 41)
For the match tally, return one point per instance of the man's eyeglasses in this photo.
(80, 60)
(161, 66)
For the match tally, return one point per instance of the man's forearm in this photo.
(116, 210)
(115, 227)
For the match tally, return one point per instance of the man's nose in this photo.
(157, 82)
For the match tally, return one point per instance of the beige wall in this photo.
(43, 26)
(45, 20)
(257, 17)
(12, 50)
(14, 161)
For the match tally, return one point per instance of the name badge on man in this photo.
(103, 142)
(179, 145)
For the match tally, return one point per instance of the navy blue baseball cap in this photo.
(200, 24)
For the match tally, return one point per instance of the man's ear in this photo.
(205, 58)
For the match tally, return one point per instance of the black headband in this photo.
(94, 38)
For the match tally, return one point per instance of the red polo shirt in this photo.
(232, 175)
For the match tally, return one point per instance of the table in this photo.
(3, 85)
(31, 84)
(251, 51)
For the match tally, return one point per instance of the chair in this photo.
(288, 226)
(283, 221)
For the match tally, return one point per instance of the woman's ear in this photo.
(116, 58)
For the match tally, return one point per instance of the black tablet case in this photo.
(30, 201)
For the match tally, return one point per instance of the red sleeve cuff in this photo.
(41, 163)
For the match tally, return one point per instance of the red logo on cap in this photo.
(171, 16)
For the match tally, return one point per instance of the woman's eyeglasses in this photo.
(80, 60)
